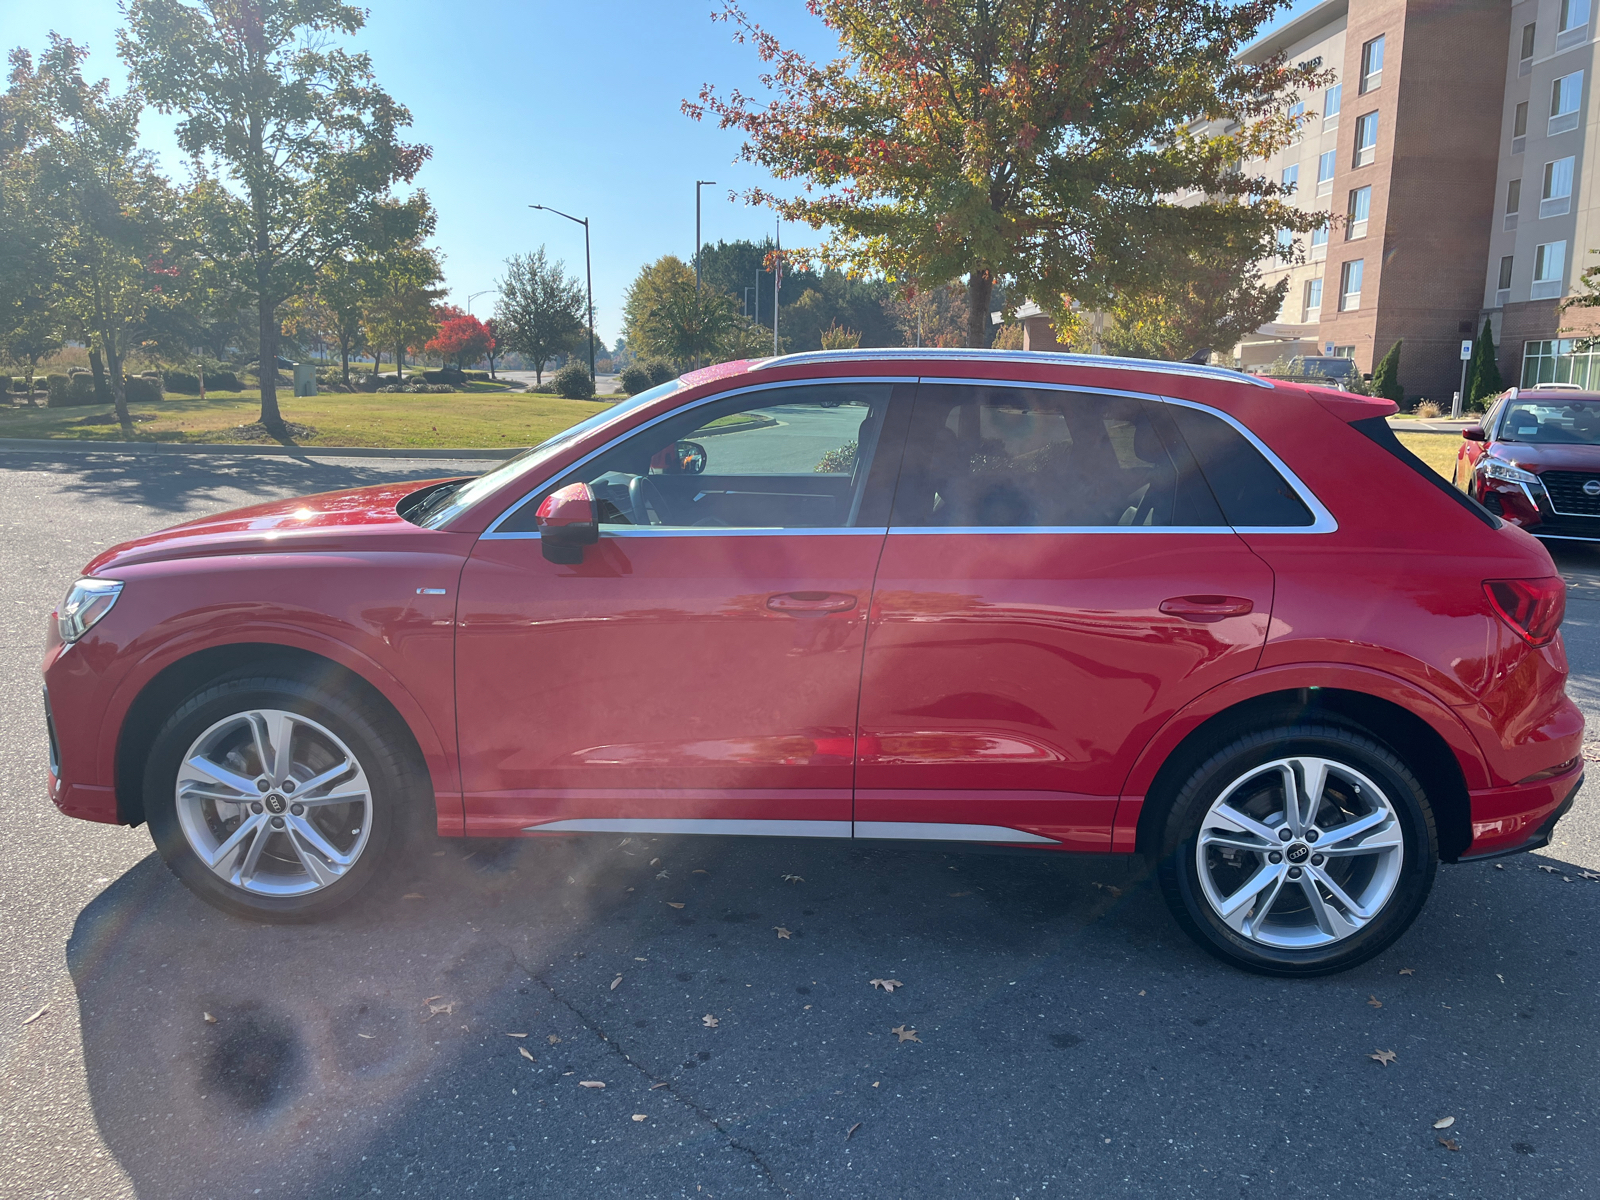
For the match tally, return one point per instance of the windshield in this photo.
(1552, 422)
(450, 502)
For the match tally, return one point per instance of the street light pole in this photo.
(474, 296)
(698, 184)
(588, 274)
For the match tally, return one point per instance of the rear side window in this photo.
(1248, 487)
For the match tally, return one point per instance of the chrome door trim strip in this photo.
(1058, 529)
(702, 825)
(724, 531)
(934, 831)
(1031, 357)
(493, 529)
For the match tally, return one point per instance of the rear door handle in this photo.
(1206, 608)
(811, 603)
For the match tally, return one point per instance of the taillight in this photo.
(1533, 607)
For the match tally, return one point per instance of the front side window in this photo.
(780, 458)
(1350, 286)
(1017, 457)
(1366, 138)
(1372, 64)
(1360, 209)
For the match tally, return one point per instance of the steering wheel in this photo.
(645, 500)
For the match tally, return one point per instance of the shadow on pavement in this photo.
(1068, 1037)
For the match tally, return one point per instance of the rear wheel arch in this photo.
(1408, 736)
(163, 693)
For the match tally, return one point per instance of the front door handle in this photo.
(811, 603)
(1207, 608)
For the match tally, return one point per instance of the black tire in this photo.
(1179, 864)
(394, 773)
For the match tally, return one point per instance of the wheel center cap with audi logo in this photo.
(1298, 853)
(1592, 488)
(275, 803)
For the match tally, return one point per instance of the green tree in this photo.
(1483, 372)
(1069, 147)
(1200, 306)
(26, 269)
(404, 312)
(668, 317)
(540, 310)
(1386, 376)
(298, 125)
(37, 334)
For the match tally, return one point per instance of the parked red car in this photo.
(1069, 603)
(1535, 460)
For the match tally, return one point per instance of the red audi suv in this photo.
(1077, 604)
(1535, 460)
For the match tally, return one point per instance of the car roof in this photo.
(1046, 357)
(1555, 394)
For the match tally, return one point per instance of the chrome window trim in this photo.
(1322, 520)
(494, 529)
(1045, 357)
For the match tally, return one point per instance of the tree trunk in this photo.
(102, 390)
(344, 361)
(399, 365)
(32, 403)
(267, 366)
(119, 392)
(980, 290)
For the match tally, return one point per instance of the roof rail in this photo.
(1103, 361)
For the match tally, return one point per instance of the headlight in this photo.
(1510, 474)
(87, 601)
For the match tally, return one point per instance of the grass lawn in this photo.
(487, 418)
(1438, 450)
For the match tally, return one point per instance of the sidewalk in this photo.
(85, 446)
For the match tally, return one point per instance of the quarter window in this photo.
(1248, 488)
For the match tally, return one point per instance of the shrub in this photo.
(573, 382)
(634, 379)
(80, 388)
(477, 376)
(1428, 410)
(5, 383)
(1386, 376)
(661, 371)
(57, 387)
(222, 381)
(186, 382)
(141, 389)
(448, 375)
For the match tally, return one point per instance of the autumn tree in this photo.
(296, 123)
(1198, 306)
(496, 346)
(1067, 147)
(540, 309)
(462, 337)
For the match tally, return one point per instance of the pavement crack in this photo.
(704, 1114)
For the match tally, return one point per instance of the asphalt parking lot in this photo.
(1069, 1040)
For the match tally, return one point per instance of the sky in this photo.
(575, 106)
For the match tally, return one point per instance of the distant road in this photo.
(604, 385)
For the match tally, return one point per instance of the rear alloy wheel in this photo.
(1302, 851)
(274, 799)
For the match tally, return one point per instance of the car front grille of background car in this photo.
(1567, 495)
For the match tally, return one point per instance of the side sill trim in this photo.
(708, 825)
(932, 831)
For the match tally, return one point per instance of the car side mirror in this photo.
(691, 457)
(1475, 433)
(568, 520)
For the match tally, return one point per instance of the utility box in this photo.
(305, 379)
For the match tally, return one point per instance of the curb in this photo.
(85, 446)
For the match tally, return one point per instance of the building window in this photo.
(1350, 286)
(1503, 287)
(1513, 202)
(1297, 115)
(1574, 26)
(1344, 351)
(1371, 64)
(1519, 129)
(1356, 214)
(1325, 172)
(1311, 304)
(1366, 138)
(1291, 179)
(1330, 106)
(1566, 94)
(1319, 243)
(1559, 361)
(1549, 267)
(1527, 40)
(1556, 199)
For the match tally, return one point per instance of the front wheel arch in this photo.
(175, 682)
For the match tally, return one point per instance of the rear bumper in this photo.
(1513, 819)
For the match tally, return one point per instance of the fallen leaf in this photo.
(807, 1008)
(1588, 875)
(782, 932)
(590, 1083)
(1375, 1002)
(876, 1082)
(438, 854)
(1384, 1056)
(368, 1036)
(516, 1035)
(1408, 970)
(1444, 1122)
(699, 871)
(1141, 991)
(887, 985)
(447, 1008)
(674, 904)
(37, 1015)
(851, 1130)
(553, 1039)
(709, 1021)
(1448, 1143)
(523, 1050)
(654, 861)
(413, 896)
(905, 1035)
(636, 958)
(208, 1018)
(1499, 866)
(1544, 867)
(793, 879)
(616, 981)
(639, 1116)
(661, 874)
(654, 1086)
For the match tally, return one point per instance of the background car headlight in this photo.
(87, 601)
(1510, 474)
